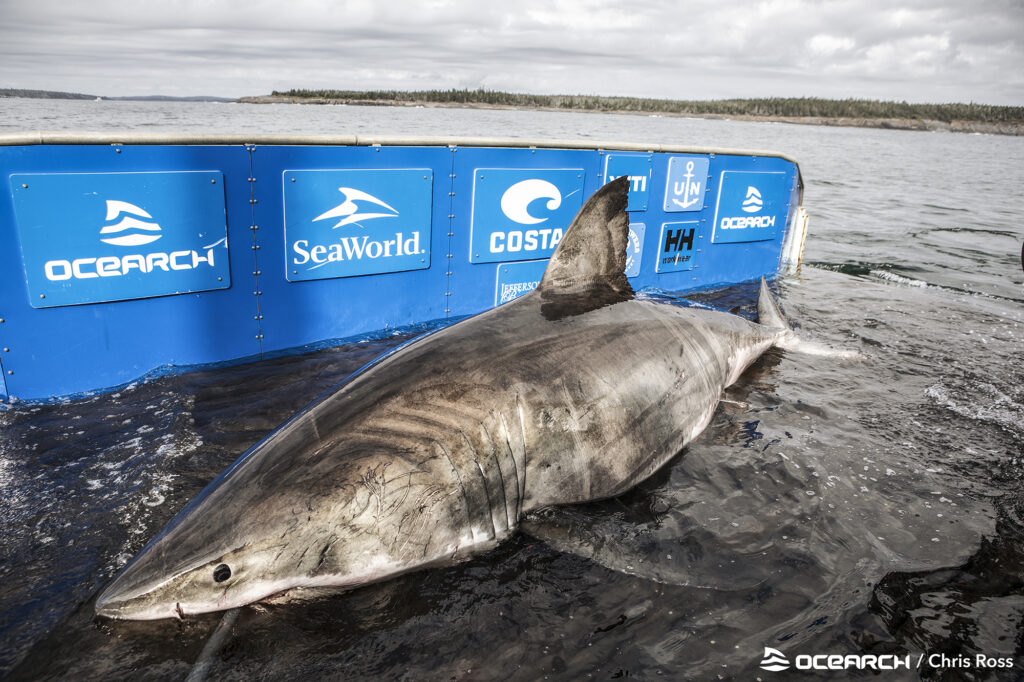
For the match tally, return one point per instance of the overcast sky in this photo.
(940, 51)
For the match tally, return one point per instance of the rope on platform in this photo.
(205, 661)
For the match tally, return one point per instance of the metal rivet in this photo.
(10, 371)
(220, 279)
(7, 350)
(24, 186)
(295, 272)
(293, 179)
(1, 320)
(118, 150)
(42, 295)
(213, 182)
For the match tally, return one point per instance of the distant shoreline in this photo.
(926, 125)
(956, 118)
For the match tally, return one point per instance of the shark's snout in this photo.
(119, 600)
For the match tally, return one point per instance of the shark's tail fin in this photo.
(768, 312)
(769, 315)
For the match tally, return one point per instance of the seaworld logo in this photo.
(357, 207)
(349, 210)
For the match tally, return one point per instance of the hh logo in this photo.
(677, 246)
(774, 660)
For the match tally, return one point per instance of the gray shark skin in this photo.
(574, 392)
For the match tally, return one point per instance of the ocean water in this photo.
(834, 506)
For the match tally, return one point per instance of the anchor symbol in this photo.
(687, 188)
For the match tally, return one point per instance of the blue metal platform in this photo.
(120, 255)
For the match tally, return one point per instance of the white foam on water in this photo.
(899, 279)
(988, 404)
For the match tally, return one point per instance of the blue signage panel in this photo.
(752, 207)
(677, 246)
(638, 168)
(516, 279)
(522, 214)
(96, 237)
(687, 183)
(634, 248)
(341, 223)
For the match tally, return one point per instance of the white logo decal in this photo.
(129, 222)
(774, 660)
(515, 202)
(689, 189)
(348, 210)
(753, 203)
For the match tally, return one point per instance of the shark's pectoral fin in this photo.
(634, 548)
(587, 270)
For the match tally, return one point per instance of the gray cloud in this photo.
(919, 51)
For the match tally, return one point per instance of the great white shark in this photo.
(576, 391)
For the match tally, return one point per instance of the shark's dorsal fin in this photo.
(587, 270)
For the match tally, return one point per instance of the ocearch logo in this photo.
(752, 203)
(137, 232)
(130, 222)
(774, 660)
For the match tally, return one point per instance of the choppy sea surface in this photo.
(832, 507)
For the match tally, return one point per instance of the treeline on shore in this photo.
(796, 107)
(42, 94)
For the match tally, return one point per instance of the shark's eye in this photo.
(221, 573)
